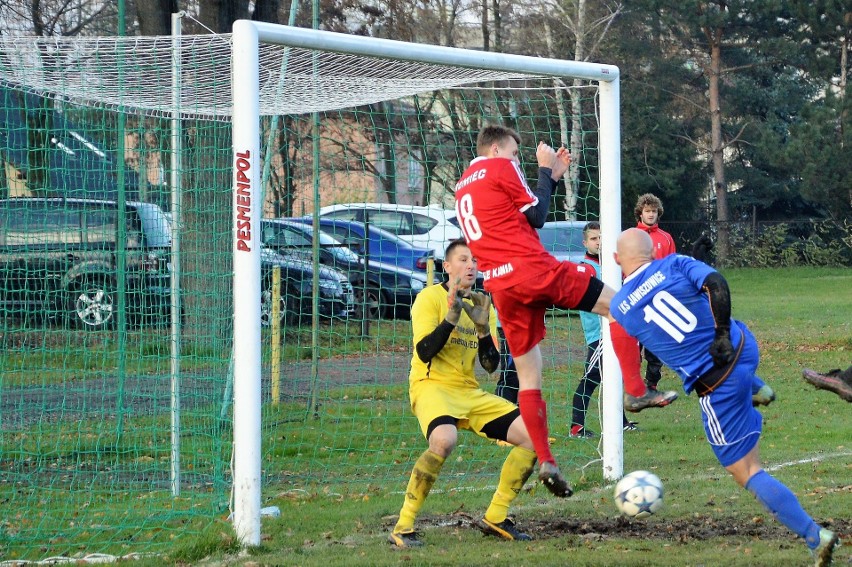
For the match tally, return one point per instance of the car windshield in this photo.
(337, 248)
(344, 231)
(561, 238)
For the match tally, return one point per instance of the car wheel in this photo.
(92, 304)
(376, 305)
(289, 306)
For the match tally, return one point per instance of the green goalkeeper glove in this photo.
(479, 312)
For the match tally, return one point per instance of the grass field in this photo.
(801, 318)
(337, 510)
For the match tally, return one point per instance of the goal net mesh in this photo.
(85, 369)
(136, 74)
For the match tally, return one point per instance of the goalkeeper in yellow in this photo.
(450, 334)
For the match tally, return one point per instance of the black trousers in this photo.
(507, 383)
(653, 368)
(590, 381)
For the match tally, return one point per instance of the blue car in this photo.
(381, 290)
(381, 246)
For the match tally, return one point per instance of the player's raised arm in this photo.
(552, 165)
(719, 294)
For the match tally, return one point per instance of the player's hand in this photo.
(454, 302)
(545, 155)
(479, 311)
(722, 350)
(560, 166)
(701, 246)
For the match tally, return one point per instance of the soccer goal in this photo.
(117, 377)
(320, 71)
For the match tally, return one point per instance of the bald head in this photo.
(633, 249)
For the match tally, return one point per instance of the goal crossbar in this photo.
(247, 36)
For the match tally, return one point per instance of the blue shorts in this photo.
(731, 423)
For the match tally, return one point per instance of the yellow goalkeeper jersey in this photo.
(454, 364)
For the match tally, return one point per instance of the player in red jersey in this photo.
(498, 214)
(648, 210)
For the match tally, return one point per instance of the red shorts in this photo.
(521, 307)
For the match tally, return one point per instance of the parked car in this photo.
(380, 246)
(58, 260)
(389, 289)
(336, 296)
(425, 227)
(563, 239)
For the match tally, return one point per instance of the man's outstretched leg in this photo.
(833, 380)
(636, 396)
(784, 506)
(534, 412)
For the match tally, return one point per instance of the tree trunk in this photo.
(385, 152)
(570, 203)
(841, 85)
(572, 179)
(266, 11)
(155, 16)
(422, 147)
(207, 279)
(220, 15)
(4, 180)
(572, 184)
(286, 189)
(486, 37)
(498, 26)
(206, 241)
(718, 148)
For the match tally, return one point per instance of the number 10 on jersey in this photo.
(670, 315)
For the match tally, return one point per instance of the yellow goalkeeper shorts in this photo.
(473, 407)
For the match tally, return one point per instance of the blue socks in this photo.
(783, 504)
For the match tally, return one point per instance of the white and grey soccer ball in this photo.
(639, 494)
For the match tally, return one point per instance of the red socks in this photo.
(627, 350)
(534, 413)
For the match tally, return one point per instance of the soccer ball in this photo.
(639, 494)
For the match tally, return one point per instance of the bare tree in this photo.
(588, 31)
(56, 17)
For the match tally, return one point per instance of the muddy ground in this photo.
(683, 530)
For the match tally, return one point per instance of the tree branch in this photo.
(696, 144)
(736, 138)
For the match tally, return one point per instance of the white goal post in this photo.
(246, 85)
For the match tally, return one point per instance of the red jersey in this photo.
(663, 241)
(491, 198)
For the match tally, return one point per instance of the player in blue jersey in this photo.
(592, 332)
(681, 309)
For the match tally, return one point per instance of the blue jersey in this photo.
(591, 321)
(663, 306)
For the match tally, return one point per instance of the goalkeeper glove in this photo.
(722, 350)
